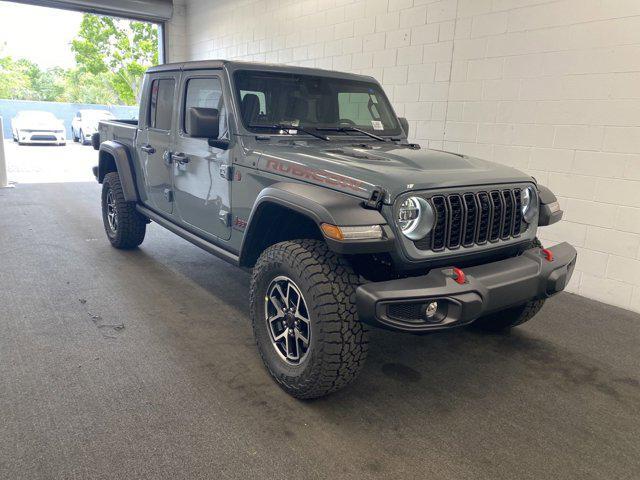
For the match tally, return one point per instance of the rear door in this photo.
(202, 191)
(155, 139)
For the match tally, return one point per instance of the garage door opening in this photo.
(64, 73)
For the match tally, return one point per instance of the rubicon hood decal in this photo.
(319, 176)
(397, 169)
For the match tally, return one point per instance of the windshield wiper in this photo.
(352, 129)
(284, 126)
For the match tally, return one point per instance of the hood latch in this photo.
(376, 199)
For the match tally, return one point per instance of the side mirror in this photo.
(404, 123)
(202, 122)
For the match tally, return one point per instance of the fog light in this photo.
(431, 309)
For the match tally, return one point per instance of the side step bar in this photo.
(189, 236)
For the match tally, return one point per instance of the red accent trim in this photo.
(459, 276)
(548, 254)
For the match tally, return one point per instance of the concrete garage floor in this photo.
(142, 364)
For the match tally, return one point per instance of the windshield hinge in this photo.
(226, 171)
(376, 199)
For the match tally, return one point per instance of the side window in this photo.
(205, 93)
(161, 105)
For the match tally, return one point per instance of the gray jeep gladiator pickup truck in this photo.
(306, 177)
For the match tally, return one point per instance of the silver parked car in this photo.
(85, 124)
(35, 126)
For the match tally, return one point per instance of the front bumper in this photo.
(41, 136)
(401, 304)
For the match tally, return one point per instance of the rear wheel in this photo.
(304, 318)
(514, 316)
(124, 225)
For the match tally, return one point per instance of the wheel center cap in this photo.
(290, 319)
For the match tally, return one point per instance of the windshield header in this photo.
(311, 101)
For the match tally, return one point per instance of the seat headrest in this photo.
(249, 108)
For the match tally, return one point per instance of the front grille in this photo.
(473, 218)
(43, 138)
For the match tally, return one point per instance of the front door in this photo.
(155, 139)
(202, 191)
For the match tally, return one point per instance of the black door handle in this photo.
(179, 158)
(148, 149)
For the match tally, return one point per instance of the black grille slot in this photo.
(465, 220)
(517, 217)
(486, 213)
(439, 232)
(471, 219)
(455, 221)
(498, 215)
(507, 225)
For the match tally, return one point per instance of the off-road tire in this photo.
(338, 344)
(514, 316)
(131, 225)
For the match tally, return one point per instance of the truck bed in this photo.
(122, 131)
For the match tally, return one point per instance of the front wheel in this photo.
(83, 139)
(304, 318)
(124, 225)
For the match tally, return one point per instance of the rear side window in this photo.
(205, 93)
(161, 109)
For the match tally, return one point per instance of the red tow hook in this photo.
(459, 276)
(548, 254)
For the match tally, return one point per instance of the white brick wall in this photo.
(551, 87)
(560, 87)
(176, 33)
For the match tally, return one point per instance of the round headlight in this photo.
(415, 218)
(529, 204)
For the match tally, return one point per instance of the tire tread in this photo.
(341, 354)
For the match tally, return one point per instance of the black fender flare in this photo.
(122, 158)
(321, 205)
(550, 212)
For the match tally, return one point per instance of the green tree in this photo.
(13, 83)
(118, 50)
(85, 87)
(24, 80)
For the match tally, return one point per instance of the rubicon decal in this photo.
(321, 176)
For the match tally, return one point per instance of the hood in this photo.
(397, 169)
(41, 125)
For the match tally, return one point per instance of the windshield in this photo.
(277, 98)
(37, 116)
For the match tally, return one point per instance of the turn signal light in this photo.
(365, 232)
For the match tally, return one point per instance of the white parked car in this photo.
(85, 124)
(35, 126)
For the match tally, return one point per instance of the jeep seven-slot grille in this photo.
(468, 219)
